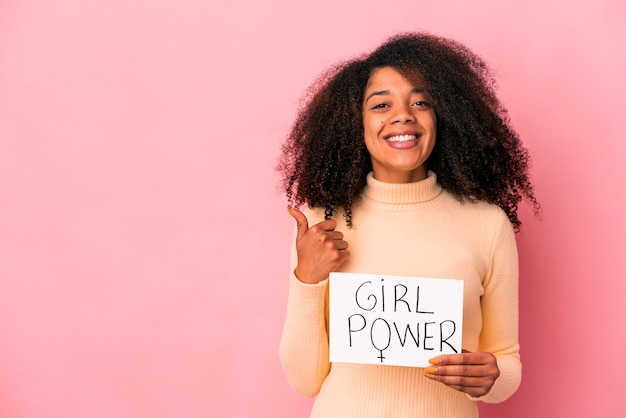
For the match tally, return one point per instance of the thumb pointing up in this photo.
(302, 222)
(320, 249)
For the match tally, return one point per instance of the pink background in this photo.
(144, 245)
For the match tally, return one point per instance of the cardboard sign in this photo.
(393, 320)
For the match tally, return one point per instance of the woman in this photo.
(409, 166)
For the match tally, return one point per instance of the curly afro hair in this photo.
(477, 154)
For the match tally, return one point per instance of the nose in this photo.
(403, 114)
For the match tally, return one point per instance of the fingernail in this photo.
(435, 361)
(430, 376)
(430, 370)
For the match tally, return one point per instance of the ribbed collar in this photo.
(402, 193)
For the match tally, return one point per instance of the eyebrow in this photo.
(386, 92)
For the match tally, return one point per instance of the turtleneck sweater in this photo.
(413, 229)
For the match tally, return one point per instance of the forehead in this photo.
(383, 75)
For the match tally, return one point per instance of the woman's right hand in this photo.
(320, 248)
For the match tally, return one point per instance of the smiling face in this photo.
(399, 126)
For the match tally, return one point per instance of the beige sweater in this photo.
(414, 229)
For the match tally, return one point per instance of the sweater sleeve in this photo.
(499, 334)
(304, 351)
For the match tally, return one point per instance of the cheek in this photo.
(373, 125)
(369, 138)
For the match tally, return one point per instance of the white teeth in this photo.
(402, 138)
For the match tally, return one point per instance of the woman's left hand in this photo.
(472, 373)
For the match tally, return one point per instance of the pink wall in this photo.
(143, 245)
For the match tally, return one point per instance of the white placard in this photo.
(394, 320)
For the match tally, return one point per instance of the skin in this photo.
(471, 373)
(392, 109)
(392, 106)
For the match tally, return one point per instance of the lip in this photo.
(402, 139)
(403, 143)
(402, 133)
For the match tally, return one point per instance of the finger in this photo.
(462, 370)
(344, 254)
(474, 386)
(335, 235)
(462, 381)
(301, 221)
(328, 225)
(341, 245)
(466, 357)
